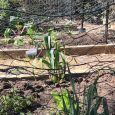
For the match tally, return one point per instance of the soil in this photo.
(67, 39)
(83, 39)
(41, 90)
(94, 35)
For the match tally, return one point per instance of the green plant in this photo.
(64, 101)
(93, 101)
(7, 41)
(17, 29)
(3, 4)
(19, 42)
(69, 104)
(7, 33)
(30, 29)
(54, 58)
(13, 103)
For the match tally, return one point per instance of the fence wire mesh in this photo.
(68, 18)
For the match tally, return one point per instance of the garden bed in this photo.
(41, 91)
(17, 73)
(68, 50)
(28, 78)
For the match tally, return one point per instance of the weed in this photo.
(14, 104)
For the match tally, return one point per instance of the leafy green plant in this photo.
(30, 29)
(15, 27)
(3, 4)
(93, 101)
(18, 28)
(14, 104)
(7, 41)
(7, 32)
(19, 42)
(68, 104)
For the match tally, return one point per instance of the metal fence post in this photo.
(106, 22)
(82, 15)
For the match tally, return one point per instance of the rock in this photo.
(31, 52)
(38, 88)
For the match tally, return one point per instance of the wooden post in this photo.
(106, 22)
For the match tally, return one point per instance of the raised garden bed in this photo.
(21, 77)
(85, 62)
(68, 50)
(41, 91)
(15, 58)
(40, 87)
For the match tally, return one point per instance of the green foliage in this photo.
(64, 101)
(19, 42)
(18, 28)
(3, 4)
(3, 15)
(68, 104)
(7, 41)
(54, 58)
(15, 27)
(30, 29)
(7, 33)
(14, 104)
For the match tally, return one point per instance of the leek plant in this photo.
(54, 58)
(70, 104)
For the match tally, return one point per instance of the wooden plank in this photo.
(90, 49)
(23, 76)
(69, 50)
(12, 53)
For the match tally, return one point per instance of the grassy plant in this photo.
(65, 102)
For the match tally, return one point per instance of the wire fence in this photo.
(85, 68)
